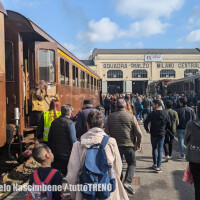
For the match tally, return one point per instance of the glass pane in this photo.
(74, 76)
(88, 79)
(77, 77)
(46, 65)
(67, 73)
(9, 61)
(62, 71)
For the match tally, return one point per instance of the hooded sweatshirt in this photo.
(160, 122)
(192, 141)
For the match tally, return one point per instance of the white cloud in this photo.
(148, 8)
(105, 30)
(80, 52)
(101, 31)
(195, 16)
(83, 55)
(138, 45)
(69, 46)
(144, 28)
(193, 36)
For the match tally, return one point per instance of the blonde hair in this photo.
(139, 98)
(128, 108)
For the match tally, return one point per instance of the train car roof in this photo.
(2, 9)
(185, 79)
(39, 31)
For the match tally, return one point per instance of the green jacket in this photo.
(174, 119)
(124, 127)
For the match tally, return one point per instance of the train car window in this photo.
(92, 83)
(77, 77)
(95, 83)
(9, 61)
(167, 73)
(139, 74)
(88, 81)
(47, 65)
(190, 72)
(82, 79)
(74, 75)
(115, 74)
(62, 71)
(67, 73)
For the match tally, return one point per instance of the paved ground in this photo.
(167, 185)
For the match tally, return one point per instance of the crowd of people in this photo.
(71, 150)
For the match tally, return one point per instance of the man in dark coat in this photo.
(124, 127)
(81, 126)
(185, 115)
(160, 122)
(62, 136)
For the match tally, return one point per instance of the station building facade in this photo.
(130, 70)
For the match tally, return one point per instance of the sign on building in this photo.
(153, 57)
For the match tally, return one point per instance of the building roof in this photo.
(145, 51)
(88, 62)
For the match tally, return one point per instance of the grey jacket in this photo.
(124, 127)
(192, 141)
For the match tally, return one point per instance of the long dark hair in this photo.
(55, 106)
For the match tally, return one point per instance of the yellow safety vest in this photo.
(48, 119)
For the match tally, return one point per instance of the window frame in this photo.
(190, 72)
(13, 69)
(54, 65)
(165, 70)
(135, 73)
(110, 74)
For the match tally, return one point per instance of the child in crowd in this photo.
(45, 174)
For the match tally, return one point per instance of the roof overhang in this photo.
(2, 9)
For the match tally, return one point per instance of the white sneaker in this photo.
(166, 159)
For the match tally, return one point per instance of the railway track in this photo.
(17, 170)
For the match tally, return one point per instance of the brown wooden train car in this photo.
(2, 78)
(32, 55)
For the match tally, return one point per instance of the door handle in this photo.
(14, 99)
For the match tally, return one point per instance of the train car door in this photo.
(46, 67)
(2, 82)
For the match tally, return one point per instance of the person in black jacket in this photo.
(160, 121)
(62, 135)
(81, 126)
(185, 115)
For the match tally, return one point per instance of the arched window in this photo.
(139, 74)
(167, 73)
(115, 74)
(190, 72)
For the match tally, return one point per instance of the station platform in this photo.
(149, 185)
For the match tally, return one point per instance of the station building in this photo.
(130, 70)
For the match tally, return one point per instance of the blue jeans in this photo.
(146, 112)
(139, 114)
(181, 134)
(157, 143)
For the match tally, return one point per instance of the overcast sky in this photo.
(82, 25)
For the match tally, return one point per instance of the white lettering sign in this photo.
(153, 57)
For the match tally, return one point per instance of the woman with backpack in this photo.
(95, 145)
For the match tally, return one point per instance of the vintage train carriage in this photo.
(158, 87)
(188, 85)
(2, 78)
(32, 55)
